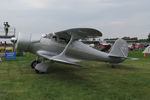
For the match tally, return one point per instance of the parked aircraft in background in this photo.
(134, 46)
(105, 46)
(64, 47)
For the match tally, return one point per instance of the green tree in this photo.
(148, 37)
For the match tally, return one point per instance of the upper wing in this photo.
(79, 33)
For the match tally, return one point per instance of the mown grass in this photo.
(130, 80)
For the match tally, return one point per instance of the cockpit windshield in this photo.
(49, 36)
(53, 37)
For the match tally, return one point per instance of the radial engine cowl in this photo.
(23, 42)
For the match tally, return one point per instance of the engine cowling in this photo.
(23, 42)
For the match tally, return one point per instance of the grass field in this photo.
(130, 80)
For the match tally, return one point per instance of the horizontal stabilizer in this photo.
(132, 58)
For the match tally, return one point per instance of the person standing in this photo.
(6, 27)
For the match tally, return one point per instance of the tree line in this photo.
(135, 39)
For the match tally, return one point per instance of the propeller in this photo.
(21, 42)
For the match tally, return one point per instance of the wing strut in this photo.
(64, 51)
(62, 57)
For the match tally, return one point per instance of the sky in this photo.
(114, 18)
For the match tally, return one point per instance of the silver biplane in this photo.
(65, 47)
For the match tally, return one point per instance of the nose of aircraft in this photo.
(22, 42)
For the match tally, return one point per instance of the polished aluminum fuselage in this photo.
(76, 50)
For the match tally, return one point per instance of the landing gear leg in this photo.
(41, 68)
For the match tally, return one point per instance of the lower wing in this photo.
(58, 58)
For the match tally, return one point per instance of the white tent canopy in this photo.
(147, 50)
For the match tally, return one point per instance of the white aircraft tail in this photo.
(119, 49)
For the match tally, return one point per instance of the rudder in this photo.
(119, 49)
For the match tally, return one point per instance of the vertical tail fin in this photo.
(119, 49)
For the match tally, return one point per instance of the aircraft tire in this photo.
(34, 63)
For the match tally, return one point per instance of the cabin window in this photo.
(63, 38)
(51, 36)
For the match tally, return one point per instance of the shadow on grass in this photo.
(119, 66)
(80, 75)
(70, 74)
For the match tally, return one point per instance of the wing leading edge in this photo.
(79, 33)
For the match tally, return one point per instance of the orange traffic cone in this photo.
(144, 55)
